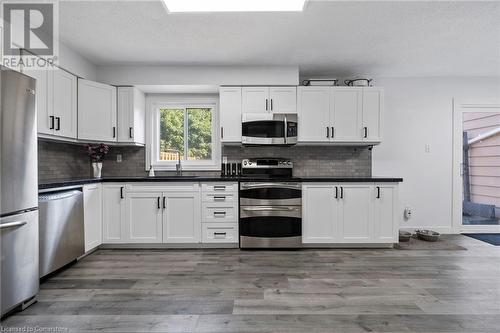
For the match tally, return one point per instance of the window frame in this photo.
(153, 127)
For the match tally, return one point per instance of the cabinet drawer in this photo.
(215, 213)
(220, 233)
(219, 187)
(221, 199)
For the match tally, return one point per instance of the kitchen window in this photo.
(187, 129)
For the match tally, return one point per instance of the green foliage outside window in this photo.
(199, 133)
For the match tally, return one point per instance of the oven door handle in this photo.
(274, 209)
(273, 185)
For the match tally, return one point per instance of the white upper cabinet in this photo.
(269, 99)
(230, 114)
(373, 99)
(96, 111)
(255, 99)
(131, 115)
(56, 102)
(313, 106)
(63, 102)
(345, 116)
(283, 99)
(352, 115)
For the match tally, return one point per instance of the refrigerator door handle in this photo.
(13, 224)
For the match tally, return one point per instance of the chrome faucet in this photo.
(178, 166)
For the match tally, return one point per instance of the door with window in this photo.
(476, 167)
(187, 133)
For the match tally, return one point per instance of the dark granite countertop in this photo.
(59, 183)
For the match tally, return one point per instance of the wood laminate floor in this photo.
(274, 291)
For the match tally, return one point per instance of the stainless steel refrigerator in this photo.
(18, 190)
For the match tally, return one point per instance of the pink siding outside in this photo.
(484, 157)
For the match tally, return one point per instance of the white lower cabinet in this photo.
(349, 213)
(113, 211)
(143, 217)
(220, 232)
(181, 217)
(92, 217)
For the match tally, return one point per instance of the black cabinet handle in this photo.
(216, 198)
(336, 192)
(121, 192)
(58, 123)
(271, 104)
(327, 132)
(164, 202)
(222, 132)
(219, 213)
(267, 102)
(341, 192)
(378, 192)
(114, 132)
(158, 203)
(219, 234)
(333, 132)
(366, 131)
(130, 132)
(51, 122)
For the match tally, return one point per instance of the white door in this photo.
(96, 111)
(372, 114)
(44, 115)
(113, 197)
(313, 106)
(319, 216)
(230, 114)
(143, 217)
(92, 216)
(63, 102)
(283, 99)
(255, 100)
(345, 116)
(182, 217)
(386, 224)
(355, 214)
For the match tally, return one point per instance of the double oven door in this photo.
(270, 214)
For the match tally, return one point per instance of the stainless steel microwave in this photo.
(268, 129)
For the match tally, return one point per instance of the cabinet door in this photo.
(96, 111)
(319, 214)
(230, 114)
(255, 100)
(44, 115)
(345, 116)
(283, 99)
(314, 114)
(372, 113)
(386, 224)
(131, 115)
(143, 217)
(63, 102)
(92, 216)
(182, 217)
(355, 214)
(112, 212)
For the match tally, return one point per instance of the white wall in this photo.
(197, 75)
(418, 111)
(75, 63)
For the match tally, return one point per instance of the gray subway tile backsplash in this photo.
(57, 160)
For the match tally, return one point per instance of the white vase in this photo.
(96, 168)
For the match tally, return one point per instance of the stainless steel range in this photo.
(270, 208)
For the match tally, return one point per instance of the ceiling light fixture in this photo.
(189, 6)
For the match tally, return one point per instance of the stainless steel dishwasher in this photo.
(61, 229)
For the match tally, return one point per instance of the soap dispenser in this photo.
(151, 171)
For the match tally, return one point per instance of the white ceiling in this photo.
(394, 38)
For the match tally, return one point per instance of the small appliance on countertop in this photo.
(270, 210)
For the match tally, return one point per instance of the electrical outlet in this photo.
(408, 213)
(224, 159)
(119, 158)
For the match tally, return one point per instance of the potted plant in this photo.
(96, 154)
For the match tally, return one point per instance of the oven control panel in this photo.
(266, 163)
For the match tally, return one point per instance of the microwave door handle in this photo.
(286, 128)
